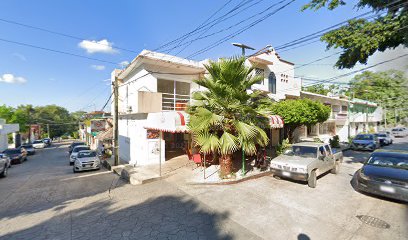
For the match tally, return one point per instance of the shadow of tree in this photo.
(165, 217)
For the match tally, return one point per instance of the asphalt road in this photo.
(43, 199)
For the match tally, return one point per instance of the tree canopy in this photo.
(321, 89)
(389, 89)
(361, 38)
(60, 120)
(300, 112)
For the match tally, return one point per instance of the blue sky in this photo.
(42, 77)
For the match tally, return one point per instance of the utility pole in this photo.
(116, 121)
(48, 130)
(367, 117)
(385, 117)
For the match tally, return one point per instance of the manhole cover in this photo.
(374, 222)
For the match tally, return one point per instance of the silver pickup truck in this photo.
(306, 161)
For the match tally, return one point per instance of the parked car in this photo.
(29, 148)
(384, 173)
(16, 155)
(306, 161)
(384, 138)
(39, 144)
(399, 132)
(87, 160)
(74, 144)
(365, 142)
(47, 141)
(75, 152)
(5, 163)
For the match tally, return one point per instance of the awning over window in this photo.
(171, 121)
(106, 135)
(276, 121)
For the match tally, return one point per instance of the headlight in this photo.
(363, 176)
(78, 163)
(302, 170)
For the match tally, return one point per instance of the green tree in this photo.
(225, 118)
(361, 38)
(389, 89)
(300, 112)
(321, 89)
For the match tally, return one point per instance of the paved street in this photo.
(43, 199)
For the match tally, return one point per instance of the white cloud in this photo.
(98, 67)
(20, 56)
(10, 78)
(124, 64)
(102, 46)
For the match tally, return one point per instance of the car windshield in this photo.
(86, 154)
(37, 141)
(12, 151)
(77, 149)
(302, 151)
(364, 137)
(389, 161)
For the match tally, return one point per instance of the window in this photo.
(272, 83)
(260, 72)
(175, 94)
(344, 108)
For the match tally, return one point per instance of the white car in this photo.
(384, 138)
(399, 132)
(38, 144)
(86, 160)
(75, 152)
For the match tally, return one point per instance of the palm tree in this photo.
(225, 117)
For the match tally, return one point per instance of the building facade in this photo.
(347, 118)
(155, 89)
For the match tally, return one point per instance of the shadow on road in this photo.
(160, 218)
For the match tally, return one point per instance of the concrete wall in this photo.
(149, 102)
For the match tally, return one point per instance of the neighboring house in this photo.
(341, 118)
(6, 129)
(155, 88)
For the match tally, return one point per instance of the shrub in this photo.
(282, 147)
(335, 142)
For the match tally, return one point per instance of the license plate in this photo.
(387, 189)
(286, 174)
(88, 165)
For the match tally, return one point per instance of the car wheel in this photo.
(336, 168)
(4, 173)
(312, 180)
(73, 169)
(71, 163)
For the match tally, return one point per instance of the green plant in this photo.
(282, 147)
(317, 140)
(350, 139)
(371, 130)
(224, 117)
(335, 142)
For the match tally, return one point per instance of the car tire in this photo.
(336, 168)
(71, 163)
(73, 169)
(312, 180)
(4, 173)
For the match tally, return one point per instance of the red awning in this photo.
(171, 121)
(275, 121)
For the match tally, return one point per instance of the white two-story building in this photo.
(347, 118)
(155, 88)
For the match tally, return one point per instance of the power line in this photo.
(236, 33)
(110, 97)
(57, 51)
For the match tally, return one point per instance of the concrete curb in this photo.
(229, 182)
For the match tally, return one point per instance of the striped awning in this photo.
(275, 121)
(168, 121)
